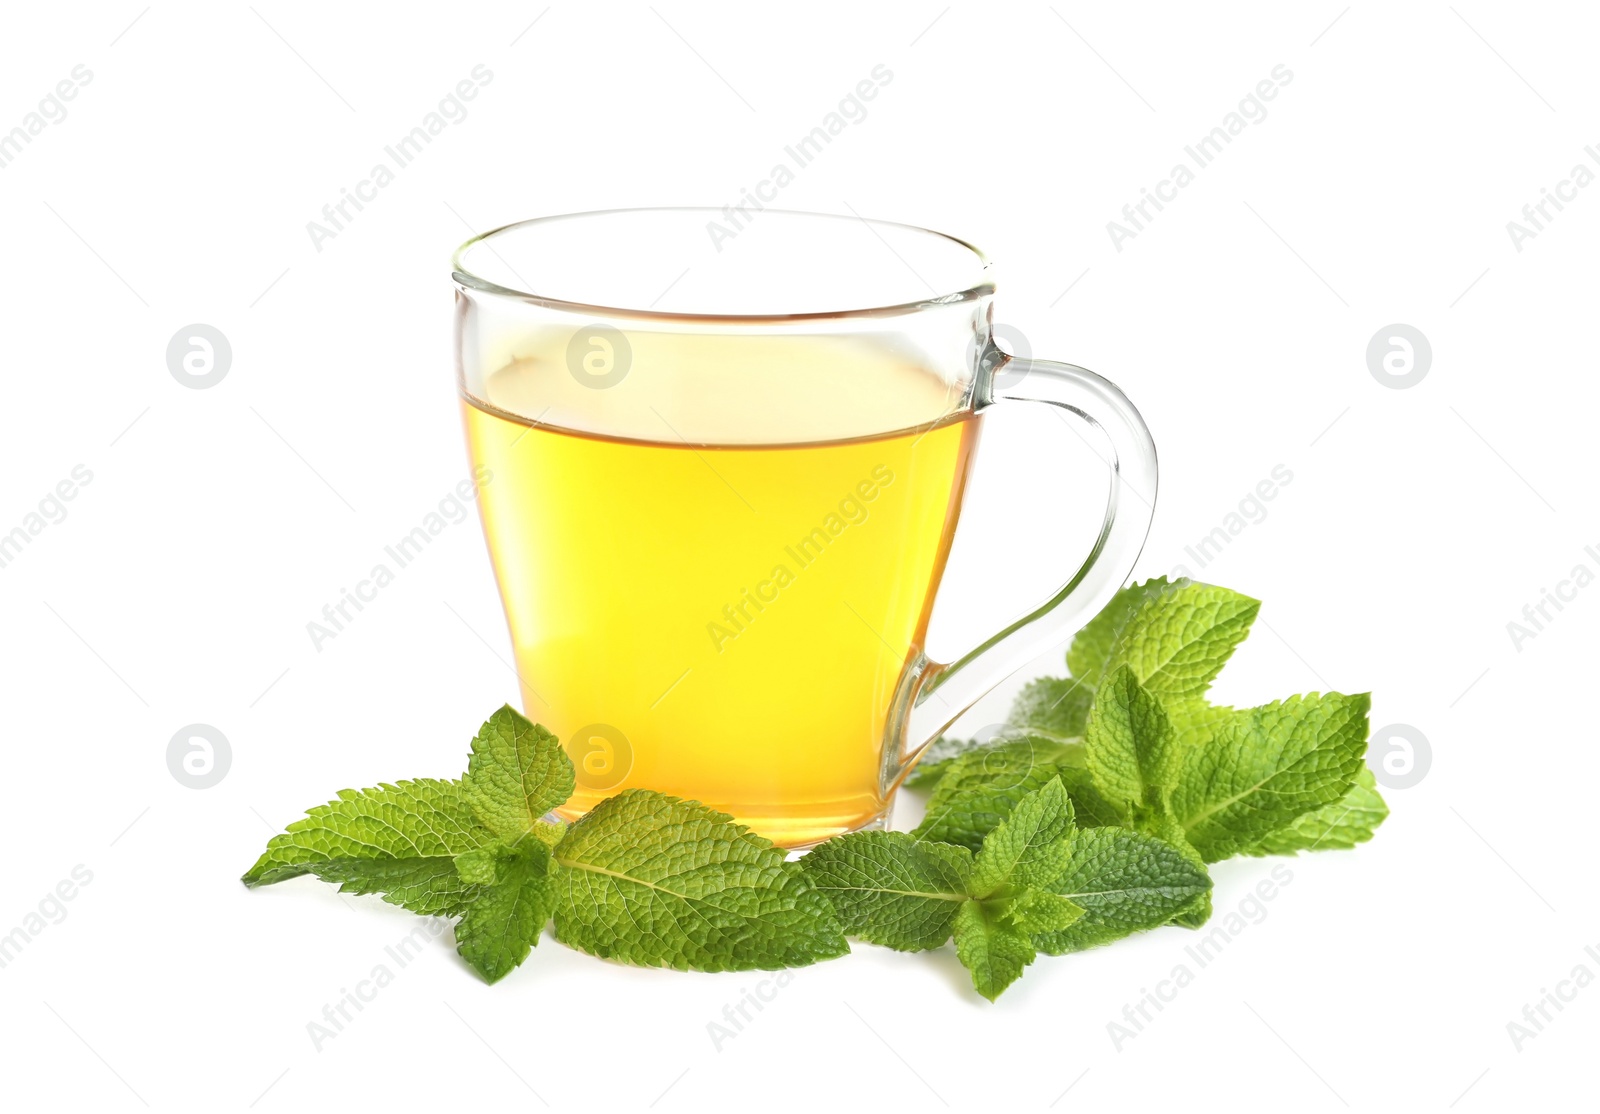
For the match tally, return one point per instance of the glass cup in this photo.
(720, 458)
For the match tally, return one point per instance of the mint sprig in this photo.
(643, 878)
(892, 888)
(1094, 814)
(1038, 883)
(1140, 749)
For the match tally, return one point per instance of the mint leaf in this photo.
(1093, 646)
(1266, 767)
(427, 886)
(1129, 740)
(503, 921)
(1053, 707)
(1170, 831)
(1089, 808)
(994, 951)
(1049, 709)
(1350, 820)
(1196, 722)
(981, 787)
(1196, 915)
(478, 868)
(400, 840)
(1030, 847)
(1125, 882)
(1176, 640)
(516, 774)
(890, 889)
(1038, 911)
(656, 881)
(937, 759)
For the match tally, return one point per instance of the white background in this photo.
(1418, 523)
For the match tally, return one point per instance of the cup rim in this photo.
(467, 279)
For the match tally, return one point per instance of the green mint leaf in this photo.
(1038, 911)
(1176, 639)
(656, 881)
(428, 886)
(981, 787)
(550, 834)
(992, 950)
(1125, 882)
(1093, 646)
(1030, 847)
(1196, 915)
(1053, 708)
(399, 840)
(1195, 722)
(937, 759)
(890, 889)
(1129, 740)
(1089, 808)
(1266, 767)
(478, 868)
(516, 774)
(1169, 830)
(503, 921)
(1350, 820)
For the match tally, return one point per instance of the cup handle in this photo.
(933, 695)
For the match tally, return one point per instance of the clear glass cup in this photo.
(721, 455)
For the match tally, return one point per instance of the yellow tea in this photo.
(717, 598)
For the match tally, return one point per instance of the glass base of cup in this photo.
(878, 823)
(793, 833)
